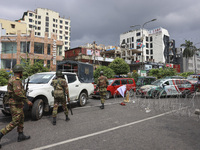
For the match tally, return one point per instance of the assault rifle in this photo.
(70, 107)
(26, 89)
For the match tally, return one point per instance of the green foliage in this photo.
(134, 75)
(30, 69)
(161, 73)
(186, 74)
(119, 66)
(109, 73)
(189, 49)
(4, 76)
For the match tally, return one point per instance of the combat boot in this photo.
(54, 120)
(67, 118)
(102, 106)
(1, 135)
(22, 137)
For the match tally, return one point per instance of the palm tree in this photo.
(189, 50)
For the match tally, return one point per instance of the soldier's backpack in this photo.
(58, 90)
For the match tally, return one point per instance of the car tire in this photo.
(108, 95)
(83, 97)
(37, 109)
(5, 113)
(154, 94)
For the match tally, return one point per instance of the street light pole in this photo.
(142, 67)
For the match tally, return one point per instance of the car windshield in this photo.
(191, 78)
(157, 82)
(110, 81)
(40, 78)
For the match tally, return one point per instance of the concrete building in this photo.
(152, 43)
(14, 48)
(11, 27)
(48, 21)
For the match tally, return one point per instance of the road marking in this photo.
(104, 131)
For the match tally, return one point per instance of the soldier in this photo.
(60, 90)
(102, 83)
(16, 102)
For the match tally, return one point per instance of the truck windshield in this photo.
(110, 81)
(40, 78)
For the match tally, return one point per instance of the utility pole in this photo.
(94, 52)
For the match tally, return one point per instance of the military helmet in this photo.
(101, 72)
(59, 73)
(18, 68)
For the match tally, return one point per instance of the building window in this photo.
(147, 57)
(39, 17)
(132, 39)
(147, 45)
(47, 18)
(48, 64)
(6, 63)
(151, 51)
(138, 40)
(30, 14)
(60, 32)
(151, 38)
(30, 26)
(49, 49)
(47, 24)
(53, 30)
(35, 22)
(54, 25)
(35, 16)
(151, 45)
(138, 34)
(47, 30)
(66, 33)
(24, 47)
(47, 13)
(61, 27)
(132, 45)
(66, 43)
(61, 21)
(66, 38)
(39, 28)
(147, 38)
(147, 51)
(66, 22)
(128, 40)
(30, 20)
(13, 26)
(39, 33)
(66, 28)
(60, 37)
(151, 57)
(9, 47)
(59, 50)
(39, 48)
(39, 22)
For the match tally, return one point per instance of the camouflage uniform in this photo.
(102, 83)
(16, 102)
(60, 86)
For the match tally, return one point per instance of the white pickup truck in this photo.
(39, 92)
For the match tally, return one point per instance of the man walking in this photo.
(60, 90)
(16, 102)
(102, 83)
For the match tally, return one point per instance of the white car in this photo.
(39, 92)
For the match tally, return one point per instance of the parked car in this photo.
(145, 81)
(115, 83)
(165, 87)
(39, 92)
(174, 77)
(193, 78)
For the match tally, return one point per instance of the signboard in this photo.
(143, 73)
(91, 52)
(148, 67)
(54, 52)
(154, 31)
(177, 67)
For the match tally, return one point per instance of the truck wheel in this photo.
(37, 109)
(5, 113)
(82, 99)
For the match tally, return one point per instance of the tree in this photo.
(4, 76)
(109, 73)
(119, 66)
(188, 51)
(161, 73)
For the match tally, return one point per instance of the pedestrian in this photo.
(102, 84)
(60, 90)
(17, 97)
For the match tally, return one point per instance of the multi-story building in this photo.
(152, 44)
(48, 21)
(11, 27)
(14, 48)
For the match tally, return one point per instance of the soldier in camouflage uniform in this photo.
(60, 90)
(102, 84)
(16, 102)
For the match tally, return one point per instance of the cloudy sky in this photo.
(104, 20)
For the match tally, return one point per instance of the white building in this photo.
(155, 44)
(45, 20)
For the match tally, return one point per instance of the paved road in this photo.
(117, 127)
